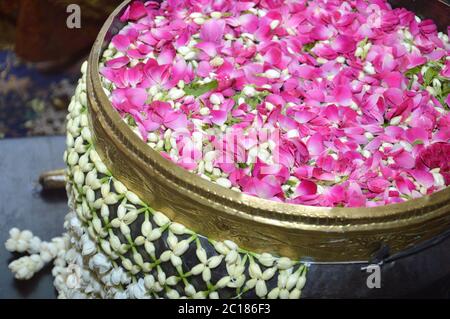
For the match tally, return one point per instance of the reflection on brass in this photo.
(53, 180)
(320, 233)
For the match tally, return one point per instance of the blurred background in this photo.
(40, 58)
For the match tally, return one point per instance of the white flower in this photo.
(249, 91)
(295, 294)
(216, 61)
(137, 290)
(175, 94)
(181, 247)
(160, 219)
(224, 182)
(261, 288)
(301, 282)
(177, 229)
(25, 267)
(88, 247)
(368, 68)
(274, 24)
(273, 294)
(116, 275)
(133, 198)
(101, 262)
(121, 295)
(284, 263)
(216, 15)
(272, 74)
(214, 99)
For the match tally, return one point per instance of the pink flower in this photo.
(437, 155)
(343, 44)
(118, 63)
(267, 187)
(423, 177)
(305, 188)
(446, 70)
(121, 42)
(129, 99)
(134, 11)
(315, 145)
(212, 31)
(157, 75)
(417, 134)
(161, 113)
(404, 160)
(342, 94)
(280, 172)
(377, 185)
(334, 195)
(357, 123)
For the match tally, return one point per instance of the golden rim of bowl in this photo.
(250, 210)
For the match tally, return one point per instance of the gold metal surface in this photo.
(321, 233)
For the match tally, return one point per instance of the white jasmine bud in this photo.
(206, 274)
(175, 94)
(284, 263)
(133, 198)
(119, 187)
(155, 234)
(301, 282)
(189, 290)
(177, 229)
(261, 288)
(224, 182)
(273, 294)
(223, 282)
(295, 294)
(266, 259)
(249, 91)
(231, 257)
(250, 284)
(149, 282)
(216, 61)
(160, 219)
(254, 270)
(204, 111)
(216, 15)
(198, 269)
(395, 120)
(274, 24)
(146, 228)
(214, 99)
(199, 21)
(201, 255)
(221, 248)
(215, 261)
(181, 247)
(272, 74)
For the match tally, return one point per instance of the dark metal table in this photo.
(23, 205)
(421, 274)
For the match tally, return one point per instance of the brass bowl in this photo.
(296, 231)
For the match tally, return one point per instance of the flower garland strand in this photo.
(117, 246)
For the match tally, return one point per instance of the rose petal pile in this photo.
(329, 103)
